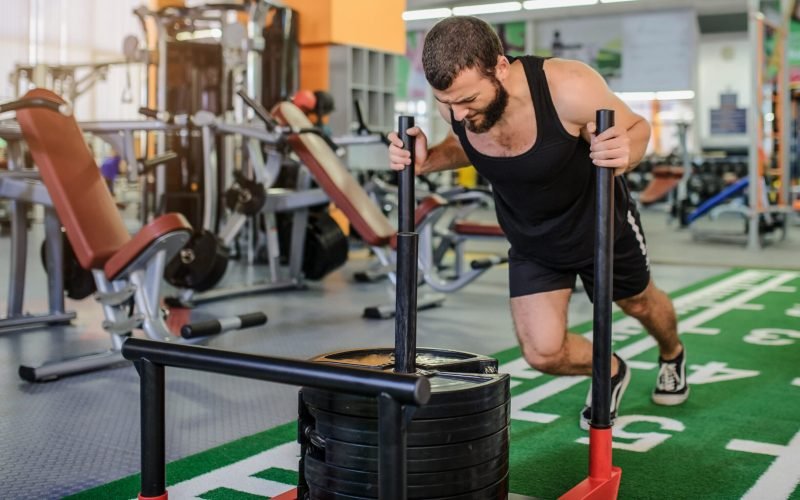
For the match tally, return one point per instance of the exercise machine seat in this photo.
(81, 198)
(474, 228)
(80, 195)
(162, 226)
(334, 178)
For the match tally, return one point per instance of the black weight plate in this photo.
(419, 485)
(326, 246)
(420, 458)
(426, 432)
(497, 491)
(452, 394)
(200, 265)
(428, 358)
(78, 282)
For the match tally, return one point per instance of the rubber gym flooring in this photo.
(232, 438)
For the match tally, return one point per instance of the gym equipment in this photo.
(326, 246)
(365, 217)
(190, 70)
(78, 282)
(200, 264)
(127, 270)
(258, 204)
(457, 443)
(20, 188)
(391, 392)
(246, 196)
(604, 479)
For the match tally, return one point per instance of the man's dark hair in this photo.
(457, 43)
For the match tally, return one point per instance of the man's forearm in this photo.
(639, 135)
(446, 155)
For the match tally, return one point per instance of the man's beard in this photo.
(492, 113)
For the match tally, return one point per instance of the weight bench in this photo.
(366, 217)
(127, 269)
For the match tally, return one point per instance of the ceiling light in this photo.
(671, 95)
(415, 15)
(550, 4)
(675, 95)
(487, 8)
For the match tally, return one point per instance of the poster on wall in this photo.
(645, 52)
(596, 41)
(512, 36)
(728, 118)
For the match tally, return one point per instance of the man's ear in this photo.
(502, 67)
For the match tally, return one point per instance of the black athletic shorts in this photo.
(631, 268)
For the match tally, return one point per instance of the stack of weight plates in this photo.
(457, 443)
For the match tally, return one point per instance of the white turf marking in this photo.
(750, 307)
(238, 475)
(787, 289)
(755, 447)
(642, 365)
(779, 481)
(702, 331)
(782, 476)
(555, 386)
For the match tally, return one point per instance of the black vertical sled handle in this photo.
(405, 326)
(406, 177)
(603, 286)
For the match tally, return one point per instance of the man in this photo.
(526, 124)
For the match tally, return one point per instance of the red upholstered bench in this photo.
(80, 196)
(127, 269)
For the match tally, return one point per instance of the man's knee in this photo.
(642, 304)
(544, 361)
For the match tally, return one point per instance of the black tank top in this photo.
(545, 197)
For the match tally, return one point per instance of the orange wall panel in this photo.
(315, 20)
(369, 23)
(372, 24)
(314, 73)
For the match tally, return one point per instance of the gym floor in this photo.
(68, 435)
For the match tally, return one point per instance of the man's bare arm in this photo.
(446, 155)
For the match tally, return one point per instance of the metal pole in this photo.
(405, 331)
(754, 123)
(392, 469)
(151, 396)
(406, 178)
(603, 287)
(406, 389)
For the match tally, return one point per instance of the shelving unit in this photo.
(365, 75)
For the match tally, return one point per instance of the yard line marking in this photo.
(537, 394)
(782, 476)
(238, 475)
(755, 447)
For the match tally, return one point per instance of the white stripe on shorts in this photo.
(639, 238)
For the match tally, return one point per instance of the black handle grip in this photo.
(148, 112)
(150, 163)
(603, 286)
(217, 326)
(362, 126)
(259, 110)
(406, 180)
(36, 102)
